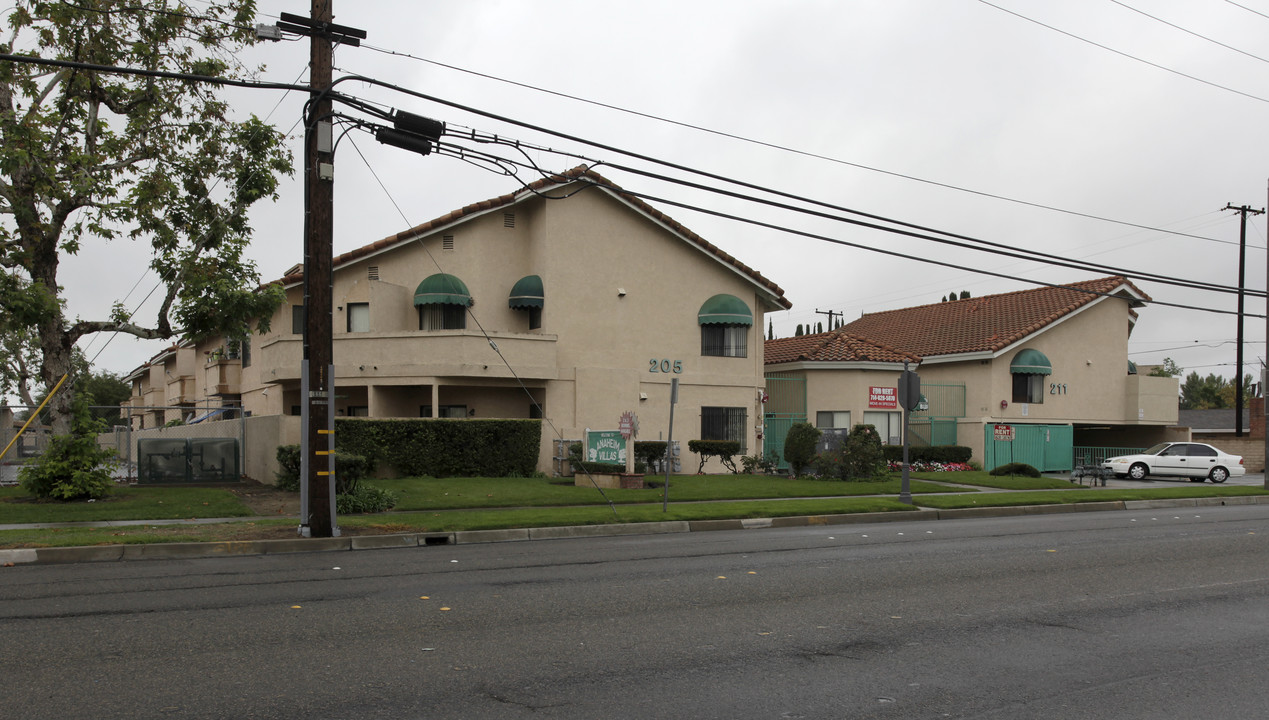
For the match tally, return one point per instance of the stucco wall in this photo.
(622, 296)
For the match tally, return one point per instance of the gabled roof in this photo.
(836, 346)
(986, 324)
(296, 274)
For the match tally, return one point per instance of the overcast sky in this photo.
(952, 114)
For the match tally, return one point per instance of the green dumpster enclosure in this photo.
(187, 460)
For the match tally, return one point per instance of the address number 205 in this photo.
(665, 366)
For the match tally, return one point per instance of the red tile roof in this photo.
(831, 346)
(984, 324)
(510, 198)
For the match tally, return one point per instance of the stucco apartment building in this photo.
(1051, 363)
(567, 301)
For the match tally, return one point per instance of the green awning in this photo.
(1030, 362)
(725, 310)
(526, 293)
(442, 289)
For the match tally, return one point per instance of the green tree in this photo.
(91, 156)
(770, 330)
(1203, 393)
(799, 445)
(862, 452)
(965, 295)
(1227, 393)
(75, 466)
(798, 332)
(19, 359)
(1167, 369)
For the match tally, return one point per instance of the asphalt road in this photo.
(1139, 614)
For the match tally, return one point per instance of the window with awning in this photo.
(724, 321)
(527, 295)
(1029, 368)
(442, 300)
(442, 289)
(1030, 362)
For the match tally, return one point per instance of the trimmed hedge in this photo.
(349, 470)
(724, 450)
(1016, 468)
(937, 454)
(445, 448)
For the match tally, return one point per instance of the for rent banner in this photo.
(883, 397)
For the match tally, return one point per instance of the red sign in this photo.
(1004, 433)
(883, 397)
(629, 425)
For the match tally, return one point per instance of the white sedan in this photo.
(1197, 461)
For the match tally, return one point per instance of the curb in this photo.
(106, 553)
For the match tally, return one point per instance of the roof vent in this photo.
(373, 272)
(508, 219)
(447, 242)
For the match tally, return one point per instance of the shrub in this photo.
(760, 463)
(74, 467)
(799, 446)
(365, 499)
(598, 468)
(1016, 468)
(349, 470)
(862, 454)
(651, 453)
(444, 448)
(724, 450)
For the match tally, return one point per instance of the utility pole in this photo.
(318, 362)
(1243, 211)
(830, 314)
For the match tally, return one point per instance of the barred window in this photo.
(725, 340)
(724, 423)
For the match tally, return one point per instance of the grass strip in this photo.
(125, 503)
(979, 478)
(451, 521)
(1057, 497)
(454, 493)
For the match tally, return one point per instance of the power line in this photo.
(1034, 256)
(893, 253)
(785, 148)
(1250, 10)
(1124, 54)
(1188, 31)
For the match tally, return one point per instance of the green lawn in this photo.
(125, 503)
(980, 478)
(1059, 497)
(453, 493)
(445, 505)
(450, 521)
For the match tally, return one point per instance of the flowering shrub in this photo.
(922, 466)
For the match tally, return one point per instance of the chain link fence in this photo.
(151, 444)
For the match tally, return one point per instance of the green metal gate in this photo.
(936, 423)
(1047, 448)
(786, 404)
